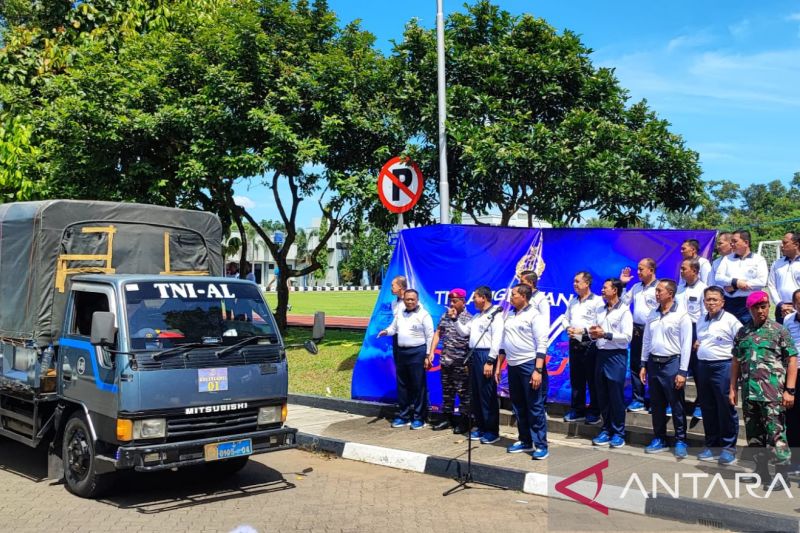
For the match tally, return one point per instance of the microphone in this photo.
(497, 310)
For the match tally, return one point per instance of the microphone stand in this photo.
(465, 479)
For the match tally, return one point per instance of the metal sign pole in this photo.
(444, 187)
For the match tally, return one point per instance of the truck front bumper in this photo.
(152, 457)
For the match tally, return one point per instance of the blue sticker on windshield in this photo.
(212, 379)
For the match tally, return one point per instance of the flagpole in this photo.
(444, 187)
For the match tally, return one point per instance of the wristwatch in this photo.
(790, 391)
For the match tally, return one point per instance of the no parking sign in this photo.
(400, 185)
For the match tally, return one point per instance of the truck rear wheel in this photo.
(78, 454)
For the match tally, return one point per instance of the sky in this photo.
(726, 75)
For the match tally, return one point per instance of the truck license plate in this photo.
(226, 450)
(212, 379)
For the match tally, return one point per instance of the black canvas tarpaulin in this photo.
(44, 244)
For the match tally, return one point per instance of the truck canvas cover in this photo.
(44, 244)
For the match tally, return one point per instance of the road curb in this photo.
(681, 509)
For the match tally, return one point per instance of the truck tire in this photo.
(79, 458)
(226, 467)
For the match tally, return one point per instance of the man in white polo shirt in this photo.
(643, 297)
(690, 249)
(666, 349)
(582, 311)
(716, 330)
(740, 274)
(690, 299)
(538, 298)
(784, 276)
(525, 345)
(612, 335)
(792, 323)
(414, 330)
(724, 248)
(485, 331)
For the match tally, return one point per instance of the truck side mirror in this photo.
(103, 330)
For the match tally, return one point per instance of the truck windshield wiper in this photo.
(245, 342)
(176, 350)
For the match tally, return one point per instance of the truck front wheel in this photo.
(226, 467)
(78, 454)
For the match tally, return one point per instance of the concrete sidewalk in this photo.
(607, 480)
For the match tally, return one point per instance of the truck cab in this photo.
(161, 372)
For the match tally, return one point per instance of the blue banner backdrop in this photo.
(438, 258)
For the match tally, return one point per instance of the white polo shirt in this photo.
(542, 304)
(617, 321)
(690, 299)
(397, 306)
(783, 279)
(712, 281)
(751, 268)
(790, 323)
(643, 298)
(524, 335)
(715, 336)
(668, 334)
(413, 328)
(582, 313)
(477, 325)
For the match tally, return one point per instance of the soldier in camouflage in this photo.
(766, 358)
(454, 374)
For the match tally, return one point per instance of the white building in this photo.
(518, 220)
(259, 255)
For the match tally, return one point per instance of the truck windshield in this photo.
(165, 314)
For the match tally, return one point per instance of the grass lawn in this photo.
(355, 303)
(328, 373)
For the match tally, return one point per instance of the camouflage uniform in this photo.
(454, 374)
(763, 354)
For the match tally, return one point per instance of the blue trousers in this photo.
(484, 394)
(581, 376)
(610, 385)
(738, 307)
(528, 404)
(720, 419)
(412, 383)
(661, 378)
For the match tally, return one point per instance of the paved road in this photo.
(285, 491)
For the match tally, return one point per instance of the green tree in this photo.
(173, 101)
(533, 125)
(768, 210)
(370, 251)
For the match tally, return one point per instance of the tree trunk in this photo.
(283, 294)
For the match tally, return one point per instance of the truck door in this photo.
(87, 372)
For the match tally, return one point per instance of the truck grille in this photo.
(205, 358)
(188, 427)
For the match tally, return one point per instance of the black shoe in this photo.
(460, 425)
(761, 460)
(442, 424)
(783, 470)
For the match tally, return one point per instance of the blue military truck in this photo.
(123, 348)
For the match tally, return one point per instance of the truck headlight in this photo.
(150, 428)
(269, 415)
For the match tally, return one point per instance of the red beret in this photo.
(756, 298)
